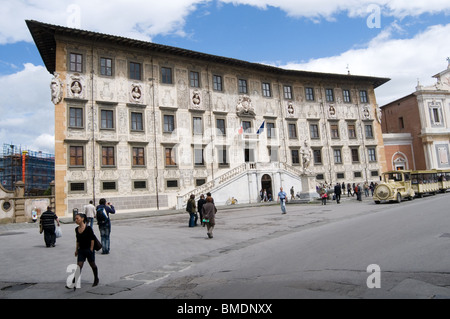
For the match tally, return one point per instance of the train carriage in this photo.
(443, 176)
(424, 182)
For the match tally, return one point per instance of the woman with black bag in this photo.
(85, 243)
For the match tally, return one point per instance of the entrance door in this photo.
(266, 184)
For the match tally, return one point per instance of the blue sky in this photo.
(412, 42)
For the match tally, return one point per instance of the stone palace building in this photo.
(416, 127)
(146, 125)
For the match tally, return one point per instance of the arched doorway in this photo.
(266, 184)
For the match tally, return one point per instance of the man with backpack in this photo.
(104, 223)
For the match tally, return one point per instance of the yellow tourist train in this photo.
(398, 185)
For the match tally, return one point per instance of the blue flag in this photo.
(261, 128)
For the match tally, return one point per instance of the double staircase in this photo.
(236, 173)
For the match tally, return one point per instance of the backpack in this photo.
(102, 216)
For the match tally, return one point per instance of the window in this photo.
(271, 130)
(351, 131)
(357, 174)
(287, 89)
(166, 75)
(76, 156)
(242, 86)
(194, 79)
(436, 118)
(107, 119)
(77, 187)
(266, 90)
(369, 131)
(273, 154)
(198, 157)
(200, 181)
(355, 155)
(247, 126)
(105, 66)
(169, 123)
(340, 175)
(334, 128)
(76, 62)
(317, 156)
(401, 124)
(372, 154)
(222, 155)
(329, 94)
(309, 92)
(363, 96)
(220, 124)
(337, 156)
(295, 157)
(197, 126)
(217, 83)
(314, 130)
(76, 117)
(140, 184)
(172, 183)
(292, 130)
(137, 123)
(249, 155)
(346, 95)
(108, 156)
(109, 186)
(374, 173)
(135, 71)
(138, 156)
(170, 156)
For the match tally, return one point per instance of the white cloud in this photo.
(27, 114)
(402, 60)
(329, 8)
(136, 19)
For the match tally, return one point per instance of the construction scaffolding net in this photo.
(36, 169)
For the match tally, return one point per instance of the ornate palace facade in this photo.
(145, 125)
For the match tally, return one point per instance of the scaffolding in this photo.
(35, 169)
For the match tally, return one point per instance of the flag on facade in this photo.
(261, 128)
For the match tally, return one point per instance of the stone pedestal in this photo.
(308, 193)
(19, 193)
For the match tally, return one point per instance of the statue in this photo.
(305, 151)
(56, 89)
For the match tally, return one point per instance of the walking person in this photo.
(324, 195)
(209, 211)
(282, 198)
(191, 208)
(200, 204)
(343, 188)
(89, 211)
(104, 223)
(47, 224)
(337, 192)
(349, 190)
(84, 248)
(292, 193)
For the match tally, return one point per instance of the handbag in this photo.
(97, 244)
